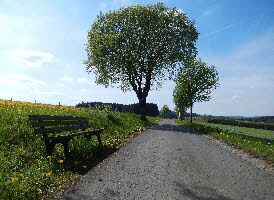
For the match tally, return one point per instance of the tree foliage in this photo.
(165, 111)
(180, 100)
(194, 83)
(136, 46)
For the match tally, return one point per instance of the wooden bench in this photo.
(46, 124)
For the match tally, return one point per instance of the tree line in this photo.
(151, 108)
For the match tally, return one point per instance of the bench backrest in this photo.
(54, 124)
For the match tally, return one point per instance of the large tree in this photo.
(195, 81)
(137, 47)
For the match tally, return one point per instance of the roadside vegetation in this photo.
(255, 141)
(25, 171)
(241, 123)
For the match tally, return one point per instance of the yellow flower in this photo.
(21, 175)
(59, 150)
(75, 163)
(48, 174)
(14, 180)
(268, 143)
(49, 157)
(84, 166)
(60, 161)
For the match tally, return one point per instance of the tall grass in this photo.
(25, 171)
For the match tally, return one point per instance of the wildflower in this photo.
(21, 175)
(14, 180)
(84, 166)
(248, 141)
(48, 174)
(59, 150)
(60, 161)
(254, 149)
(268, 143)
(49, 157)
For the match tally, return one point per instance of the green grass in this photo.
(267, 134)
(26, 173)
(254, 141)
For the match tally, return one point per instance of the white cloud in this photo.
(236, 98)
(82, 80)
(31, 58)
(83, 90)
(217, 31)
(67, 79)
(263, 43)
(21, 81)
(209, 11)
(121, 3)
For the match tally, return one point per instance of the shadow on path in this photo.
(199, 193)
(174, 128)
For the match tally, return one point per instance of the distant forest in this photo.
(152, 109)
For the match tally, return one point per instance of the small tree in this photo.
(135, 47)
(165, 111)
(180, 100)
(196, 81)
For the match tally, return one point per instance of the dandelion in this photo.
(59, 150)
(49, 157)
(268, 143)
(21, 175)
(84, 166)
(60, 161)
(48, 174)
(14, 180)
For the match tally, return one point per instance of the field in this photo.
(258, 142)
(25, 171)
(260, 133)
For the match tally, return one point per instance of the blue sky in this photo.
(42, 48)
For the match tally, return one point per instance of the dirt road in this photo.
(170, 162)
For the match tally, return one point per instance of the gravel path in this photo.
(170, 162)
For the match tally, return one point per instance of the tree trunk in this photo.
(190, 114)
(181, 117)
(142, 104)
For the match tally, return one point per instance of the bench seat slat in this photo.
(92, 132)
(60, 129)
(58, 123)
(49, 117)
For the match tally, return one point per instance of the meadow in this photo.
(257, 142)
(25, 171)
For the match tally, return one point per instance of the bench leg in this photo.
(99, 139)
(65, 144)
(49, 147)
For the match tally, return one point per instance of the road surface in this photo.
(168, 161)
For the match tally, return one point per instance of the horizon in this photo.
(43, 48)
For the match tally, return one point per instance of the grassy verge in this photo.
(25, 172)
(256, 144)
